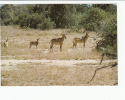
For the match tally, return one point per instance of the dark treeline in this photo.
(101, 18)
(48, 16)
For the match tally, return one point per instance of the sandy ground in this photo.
(57, 72)
(70, 63)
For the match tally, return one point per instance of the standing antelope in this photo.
(34, 43)
(80, 40)
(58, 41)
(6, 43)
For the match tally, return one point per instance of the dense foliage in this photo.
(110, 34)
(93, 18)
(101, 18)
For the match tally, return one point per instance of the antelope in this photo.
(80, 40)
(34, 43)
(57, 41)
(6, 43)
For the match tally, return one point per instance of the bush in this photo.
(91, 26)
(15, 20)
(75, 24)
(36, 21)
(23, 20)
(109, 29)
(92, 20)
(46, 24)
(7, 21)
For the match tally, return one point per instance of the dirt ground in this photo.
(21, 66)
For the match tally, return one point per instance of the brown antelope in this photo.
(34, 43)
(58, 41)
(6, 43)
(80, 40)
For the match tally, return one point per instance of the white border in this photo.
(58, 2)
(75, 92)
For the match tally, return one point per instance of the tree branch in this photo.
(100, 69)
(102, 58)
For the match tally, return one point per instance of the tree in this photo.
(92, 20)
(63, 15)
(109, 29)
(112, 8)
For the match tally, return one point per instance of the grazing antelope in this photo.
(80, 40)
(58, 41)
(6, 43)
(34, 43)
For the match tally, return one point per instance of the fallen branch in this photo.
(114, 64)
(100, 69)
(102, 58)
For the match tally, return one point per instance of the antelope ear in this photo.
(63, 34)
(84, 31)
(87, 32)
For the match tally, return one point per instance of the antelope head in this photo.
(6, 39)
(64, 35)
(37, 39)
(87, 33)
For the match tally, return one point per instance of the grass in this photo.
(37, 74)
(19, 40)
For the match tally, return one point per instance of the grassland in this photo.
(39, 74)
(44, 74)
(19, 40)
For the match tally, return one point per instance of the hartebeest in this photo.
(6, 43)
(80, 40)
(34, 43)
(57, 41)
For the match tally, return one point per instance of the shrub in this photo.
(46, 24)
(7, 21)
(15, 20)
(23, 20)
(92, 20)
(109, 29)
(36, 20)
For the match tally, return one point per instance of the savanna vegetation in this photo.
(101, 18)
(22, 25)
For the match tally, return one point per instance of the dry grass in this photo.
(19, 40)
(37, 74)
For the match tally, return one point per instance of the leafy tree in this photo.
(63, 14)
(7, 12)
(36, 21)
(112, 8)
(82, 8)
(46, 24)
(110, 33)
(92, 20)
